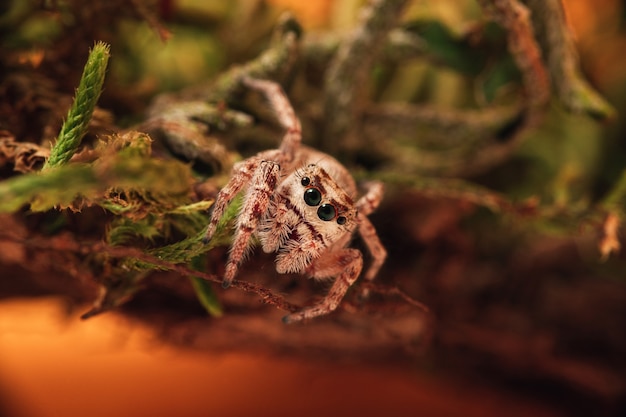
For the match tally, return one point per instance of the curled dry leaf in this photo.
(610, 240)
(24, 156)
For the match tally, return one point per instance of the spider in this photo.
(301, 204)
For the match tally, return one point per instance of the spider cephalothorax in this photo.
(301, 204)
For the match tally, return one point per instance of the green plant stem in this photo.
(79, 115)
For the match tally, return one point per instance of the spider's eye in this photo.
(326, 212)
(312, 196)
(341, 220)
(305, 181)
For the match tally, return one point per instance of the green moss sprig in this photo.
(79, 115)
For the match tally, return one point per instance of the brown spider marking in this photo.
(301, 204)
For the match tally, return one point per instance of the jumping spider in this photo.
(300, 203)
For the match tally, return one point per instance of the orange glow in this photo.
(310, 13)
(588, 17)
(54, 365)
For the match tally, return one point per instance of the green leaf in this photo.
(125, 230)
(500, 74)
(448, 49)
(204, 291)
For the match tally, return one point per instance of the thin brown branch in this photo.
(66, 243)
(152, 19)
(515, 18)
(560, 54)
(347, 77)
(444, 129)
(395, 291)
(275, 63)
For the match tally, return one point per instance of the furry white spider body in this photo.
(301, 204)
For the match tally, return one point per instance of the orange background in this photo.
(52, 364)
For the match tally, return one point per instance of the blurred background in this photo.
(525, 311)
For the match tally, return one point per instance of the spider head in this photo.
(320, 200)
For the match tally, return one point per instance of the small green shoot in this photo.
(80, 113)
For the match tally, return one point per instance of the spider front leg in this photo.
(255, 203)
(242, 173)
(284, 113)
(346, 264)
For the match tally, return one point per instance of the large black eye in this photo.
(326, 212)
(312, 196)
(305, 181)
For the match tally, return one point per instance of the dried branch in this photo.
(151, 18)
(560, 54)
(185, 122)
(344, 90)
(461, 190)
(449, 141)
(275, 63)
(400, 45)
(66, 243)
(443, 129)
(515, 18)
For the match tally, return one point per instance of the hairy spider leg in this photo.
(298, 254)
(284, 113)
(277, 224)
(366, 205)
(346, 264)
(371, 199)
(375, 247)
(241, 175)
(256, 202)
